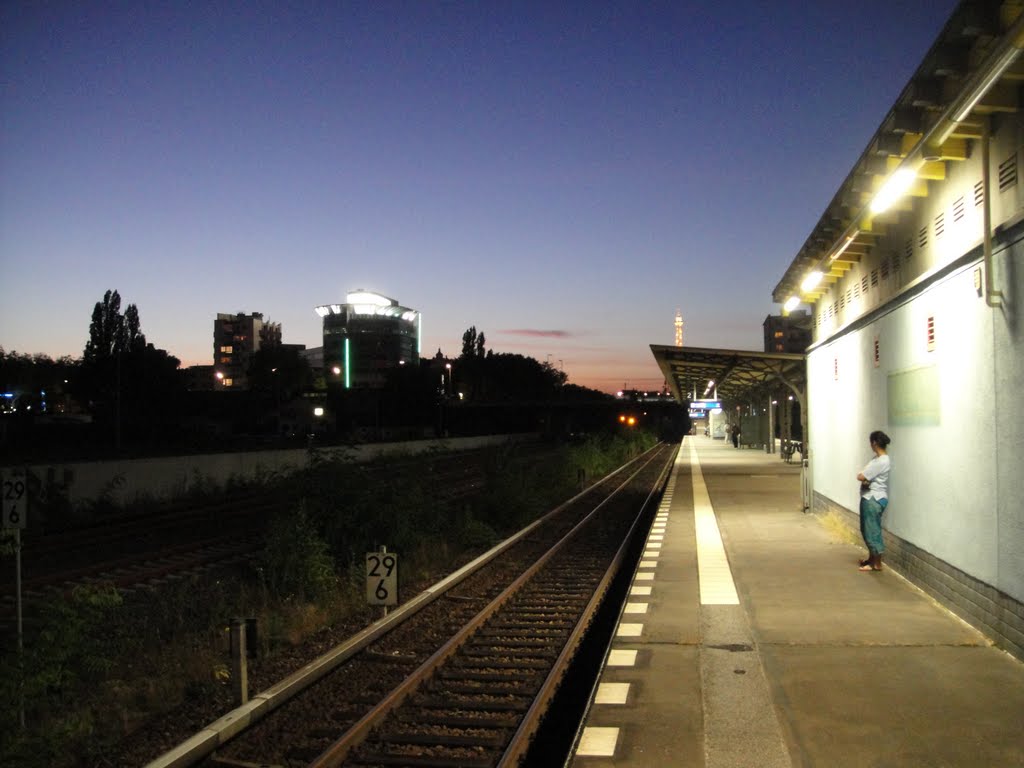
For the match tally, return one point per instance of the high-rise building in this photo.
(236, 338)
(366, 337)
(679, 328)
(787, 333)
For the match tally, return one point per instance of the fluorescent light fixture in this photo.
(839, 252)
(811, 281)
(323, 311)
(791, 303)
(892, 190)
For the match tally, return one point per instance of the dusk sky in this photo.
(563, 176)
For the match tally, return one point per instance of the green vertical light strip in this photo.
(419, 333)
(348, 371)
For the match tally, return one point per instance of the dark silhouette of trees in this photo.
(278, 373)
(473, 343)
(134, 390)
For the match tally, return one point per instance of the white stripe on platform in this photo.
(716, 584)
(635, 608)
(612, 693)
(621, 658)
(597, 742)
(636, 591)
(630, 630)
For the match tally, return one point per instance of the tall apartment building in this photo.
(236, 338)
(365, 337)
(788, 332)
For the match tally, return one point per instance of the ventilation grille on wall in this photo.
(885, 268)
(1008, 172)
(940, 225)
(874, 278)
(979, 193)
(864, 285)
(922, 237)
(908, 249)
(877, 355)
(958, 209)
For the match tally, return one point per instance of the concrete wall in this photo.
(957, 488)
(168, 477)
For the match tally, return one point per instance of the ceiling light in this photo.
(892, 190)
(791, 303)
(811, 281)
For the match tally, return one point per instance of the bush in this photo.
(296, 560)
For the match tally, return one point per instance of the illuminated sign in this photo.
(705, 405)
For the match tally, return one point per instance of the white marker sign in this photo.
(381, 578)
(14, 496)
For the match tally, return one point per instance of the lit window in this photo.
(229, 382)
(778, 334)
(227, 350)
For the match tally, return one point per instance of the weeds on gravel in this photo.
(105, 665)
(837, 525)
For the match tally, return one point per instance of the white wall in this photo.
(955, 486)
(171, 476)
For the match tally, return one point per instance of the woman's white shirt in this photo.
(877, 474)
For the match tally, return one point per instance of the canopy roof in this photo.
(738, 375)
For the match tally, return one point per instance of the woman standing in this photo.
(874, 498)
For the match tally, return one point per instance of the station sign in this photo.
(705, 405)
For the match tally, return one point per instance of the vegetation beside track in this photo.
(112, 679)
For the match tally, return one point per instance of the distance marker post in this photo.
(14, 497)
(382, 578)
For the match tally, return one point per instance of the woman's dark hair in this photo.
(879, 438)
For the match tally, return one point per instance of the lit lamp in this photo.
(892, 190)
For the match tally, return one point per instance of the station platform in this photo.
(750, 638)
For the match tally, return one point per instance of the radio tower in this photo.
(679, 328)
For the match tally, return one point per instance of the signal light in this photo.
(631, 420)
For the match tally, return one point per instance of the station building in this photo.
(366, 337)
(915, 280)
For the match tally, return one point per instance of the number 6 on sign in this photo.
(14, 498)
(381, 578)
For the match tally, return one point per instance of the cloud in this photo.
(537, 333)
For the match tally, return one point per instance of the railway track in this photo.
(175, 540)
(466, 680)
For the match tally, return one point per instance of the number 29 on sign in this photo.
(381, 578)
(14, 497)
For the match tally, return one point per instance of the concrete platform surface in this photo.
(810, 663)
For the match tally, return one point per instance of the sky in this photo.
(563, 176)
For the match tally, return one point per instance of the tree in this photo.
(110, 332)
(469, 342)
(127, 381)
